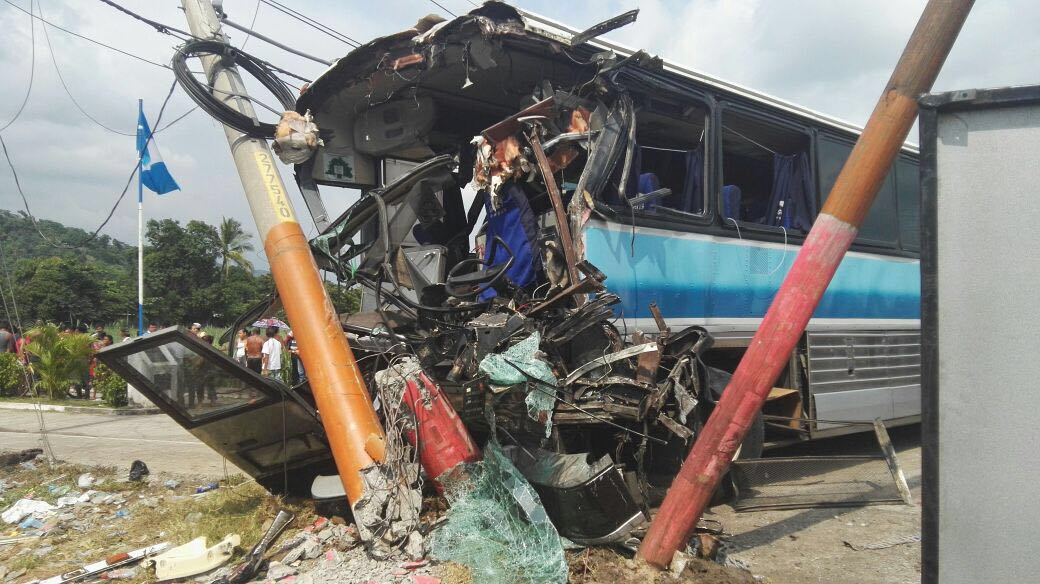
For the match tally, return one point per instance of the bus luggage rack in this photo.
(821, 481)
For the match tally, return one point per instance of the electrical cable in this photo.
(185, 36)
(65, 86)
(441, 6)
(37, 408)
(158, 26)
(86, 38)
(223, 113)
(122, 195)
(252, 23)
(32, 65)
(328, 31)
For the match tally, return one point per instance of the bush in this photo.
(12, 375)
(61, 360)
(110, 386)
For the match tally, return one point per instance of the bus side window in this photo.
(880, 226)
(908, 191)
(766, 176)
(670, 154)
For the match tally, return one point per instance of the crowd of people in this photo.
(269, 354)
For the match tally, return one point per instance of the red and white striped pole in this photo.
(824, 247)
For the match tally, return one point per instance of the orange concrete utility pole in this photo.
(353, 430)
(833, 232)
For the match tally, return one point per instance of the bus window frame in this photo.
(867, 244)
(916, 163)
(679, 220)
(772, 119)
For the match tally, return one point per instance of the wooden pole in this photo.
(825, 246)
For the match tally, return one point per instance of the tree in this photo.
(61, 360)
(181, 271)
(234, 243)
(346, 300)
(59, 290)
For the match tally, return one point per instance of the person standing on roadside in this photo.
(240, 347)
(272, 352)
(297, 373)
(254, 351)
(7, 341)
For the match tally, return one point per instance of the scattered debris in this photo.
(138, 469)
(245, 571)
(24, 508)
(85, 481)
(99, 567)
(194, 558)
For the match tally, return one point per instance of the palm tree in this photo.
(61, 360)
(234, 243)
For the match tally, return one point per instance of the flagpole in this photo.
(140, 233)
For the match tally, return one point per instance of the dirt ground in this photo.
(796, 546)
(808, 546)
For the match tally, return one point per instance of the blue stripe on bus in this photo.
(702, 278)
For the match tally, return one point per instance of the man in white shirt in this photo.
(272, 354)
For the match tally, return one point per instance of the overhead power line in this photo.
(182, 35)
(57, 69)
(252, 23)
(86, 38)
(158, 26)
(442, 7)
(327, 30)
(32, 63)
(122, 195)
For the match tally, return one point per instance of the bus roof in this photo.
(545, 26)
(360, 60)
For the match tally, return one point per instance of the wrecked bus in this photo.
(694, 193)
(574, 242)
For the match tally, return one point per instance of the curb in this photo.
(146, 411)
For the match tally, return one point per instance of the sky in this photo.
(832, 56)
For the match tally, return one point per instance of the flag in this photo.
(153, 170)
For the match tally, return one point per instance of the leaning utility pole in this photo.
(353, 430)
(824, 247)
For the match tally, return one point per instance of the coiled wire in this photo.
(203, 94)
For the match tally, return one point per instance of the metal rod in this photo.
(824, 247)
(353, 430)
(562, 226)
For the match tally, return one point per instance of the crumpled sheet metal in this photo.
(497, 525)
(501, 368)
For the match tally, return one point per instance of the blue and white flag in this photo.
(153, 170)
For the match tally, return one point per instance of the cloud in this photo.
(830, 55)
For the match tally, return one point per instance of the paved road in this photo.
(112, 441)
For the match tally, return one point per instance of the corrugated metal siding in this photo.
(864, 360)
